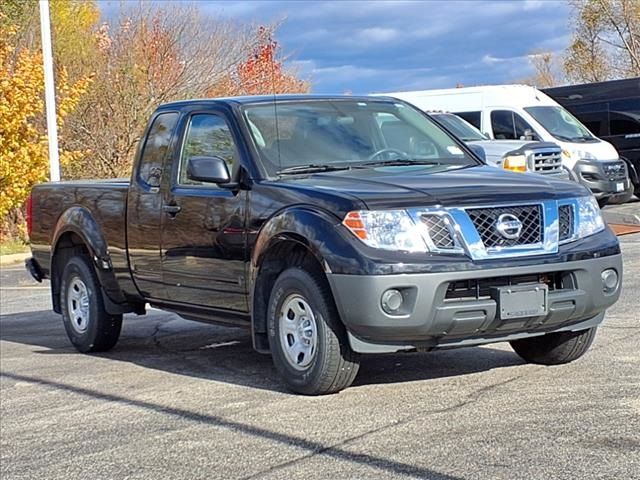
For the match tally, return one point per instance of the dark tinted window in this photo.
(207, 135)
(155, 149)
(508, 125)
(594, 116)
(624, 116)
(472, 117)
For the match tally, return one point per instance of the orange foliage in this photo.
(262, 73)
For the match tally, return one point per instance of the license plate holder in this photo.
(619, 186)
(520, 301)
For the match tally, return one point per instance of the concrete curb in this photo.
(14, 258)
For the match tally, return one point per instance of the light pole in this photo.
(49, 91)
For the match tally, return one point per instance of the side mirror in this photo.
(208, 169)
(479, 151)
(529, 135)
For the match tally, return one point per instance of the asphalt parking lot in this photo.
(177, 399)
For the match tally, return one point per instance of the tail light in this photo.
(29, 209)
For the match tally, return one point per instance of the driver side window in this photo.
(207, 135)
(508, 125)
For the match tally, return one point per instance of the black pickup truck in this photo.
(331, 227)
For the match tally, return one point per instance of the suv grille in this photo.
(438, 231)
(484, 219)
(546, 162)
(615, 170)
(565, 220)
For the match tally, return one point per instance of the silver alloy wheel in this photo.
(298, 331)
(78, 305)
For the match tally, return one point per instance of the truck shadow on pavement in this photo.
(165, 342)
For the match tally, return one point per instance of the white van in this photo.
(521, 112)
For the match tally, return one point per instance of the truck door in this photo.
(144, 206)
(203, 225)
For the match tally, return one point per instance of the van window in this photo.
(594, 116)
(508, 125)
(625, 116)
(472, 117)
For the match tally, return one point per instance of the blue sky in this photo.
(383, 46)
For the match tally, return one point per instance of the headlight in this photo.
(589, 217)
(578, 155)
(386, 229)
(515, 163)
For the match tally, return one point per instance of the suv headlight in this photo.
(515, 163)
(589, 218)
(386, 229)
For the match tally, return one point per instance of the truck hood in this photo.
(414, 186)
(495, 150)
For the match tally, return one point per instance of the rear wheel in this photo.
(308, 341)
(89, 326)
(555, 348)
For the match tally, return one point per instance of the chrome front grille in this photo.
(485, 221)
(615, 170)
(438, 230)
(545, 161)
(485, 232)
(565, 222)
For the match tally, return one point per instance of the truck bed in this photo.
(106, 201)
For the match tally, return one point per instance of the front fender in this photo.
(319, 231)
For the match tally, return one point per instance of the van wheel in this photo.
(89, 327)
(555, 348)
(308, 341)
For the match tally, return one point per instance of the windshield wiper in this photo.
(398, 162)
(562, 137)
(584, 138)
(311, 168)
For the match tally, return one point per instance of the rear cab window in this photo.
(155, 149)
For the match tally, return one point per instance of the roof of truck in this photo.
(252, 99)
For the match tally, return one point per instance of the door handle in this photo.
(171, 210)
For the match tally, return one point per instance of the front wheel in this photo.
(308, 341)
(555, 348)
(89, 326)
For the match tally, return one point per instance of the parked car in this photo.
(305, 220)
(517, 155)
(518, 112)
(611, 111)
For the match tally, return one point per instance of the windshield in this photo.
(561, 124)
(332, 134)
(459, 127)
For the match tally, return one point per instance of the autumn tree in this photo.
(263, 72)
(150, 55)
(606, 40)
(23, 141)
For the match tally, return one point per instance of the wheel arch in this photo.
(77, 232)
(298, 236)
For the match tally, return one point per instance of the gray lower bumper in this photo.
(591, 175)
(430, 319)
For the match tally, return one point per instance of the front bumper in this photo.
(604, 184)
(431, 318)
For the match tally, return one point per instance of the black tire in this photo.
(603, 202)
(333, 365)
(555, 348)
(95, 330)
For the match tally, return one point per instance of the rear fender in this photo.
(79, 221)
